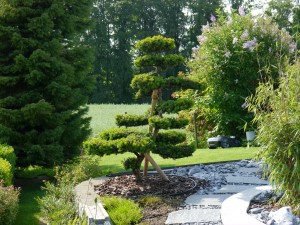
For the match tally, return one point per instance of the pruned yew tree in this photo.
(168, 144)
(43, 78)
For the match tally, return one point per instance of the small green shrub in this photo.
(145, 83)
(59, 205)
(171, 137)
(6, 173)
(85, 167)
(7, 152)
(34, 172)
(150, 201)
(174, 106)
(9, 204)
(168, 123)
(117, 133)
(122, 211)
(131, 120)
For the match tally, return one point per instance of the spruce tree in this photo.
(43, 78)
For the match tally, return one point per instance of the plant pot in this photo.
(250, 135)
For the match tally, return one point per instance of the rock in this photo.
(283, 216)
(255, 210)
(271, 222)
(195, 169)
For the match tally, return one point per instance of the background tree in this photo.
(43, 79)
(235, 54)
(168, 144)
(120, 23)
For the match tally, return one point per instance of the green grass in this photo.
(113, 162)
(103, 115)
(28, 208)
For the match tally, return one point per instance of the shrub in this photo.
(7, 152)
(9, 199)
(131, 120)
(150, 201)
(277, 114)
(122, 211)
(34, 171)
(235, 53)
(59, 205)
(6, 173)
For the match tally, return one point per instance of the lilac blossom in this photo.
(245, 34)
(241, 11)
(229, 21)
(205, 28)
(227, 54)
(235, 40)
(292, 47)
(244, 106)
(201, 38)
(212, 18)
(195, 49)
(250, 44)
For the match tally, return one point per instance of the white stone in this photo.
(206, 200)
(246, 180)
(193, 216)
(283, 216)
(233, 189)
(247, 170)
(234, 209)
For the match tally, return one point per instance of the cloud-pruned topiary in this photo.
(168, 144)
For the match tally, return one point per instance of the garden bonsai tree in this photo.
(168, 144)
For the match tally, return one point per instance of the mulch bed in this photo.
(173, 193)
(151, 185)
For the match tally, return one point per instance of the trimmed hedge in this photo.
(117, 133)
(9, 204)
(156, 44)
(170, 137)
(174, 151)
(132, 143)
(7, 152)
(179, 83)
(6, 173)
(146, 83)
(158, 60)
(131, 120)
(168, 123)
(174, 106)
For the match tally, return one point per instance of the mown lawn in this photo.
(103, 115)
(113, 163)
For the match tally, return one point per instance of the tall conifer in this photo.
(43, 78)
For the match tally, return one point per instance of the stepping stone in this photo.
(194, 216)
(206, 200)
(233, 189)
(246, 180)
(248, 170)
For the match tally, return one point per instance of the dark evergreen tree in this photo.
(43, 78)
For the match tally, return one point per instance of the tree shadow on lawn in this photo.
(28, 213)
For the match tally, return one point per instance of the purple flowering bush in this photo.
(236, 53)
